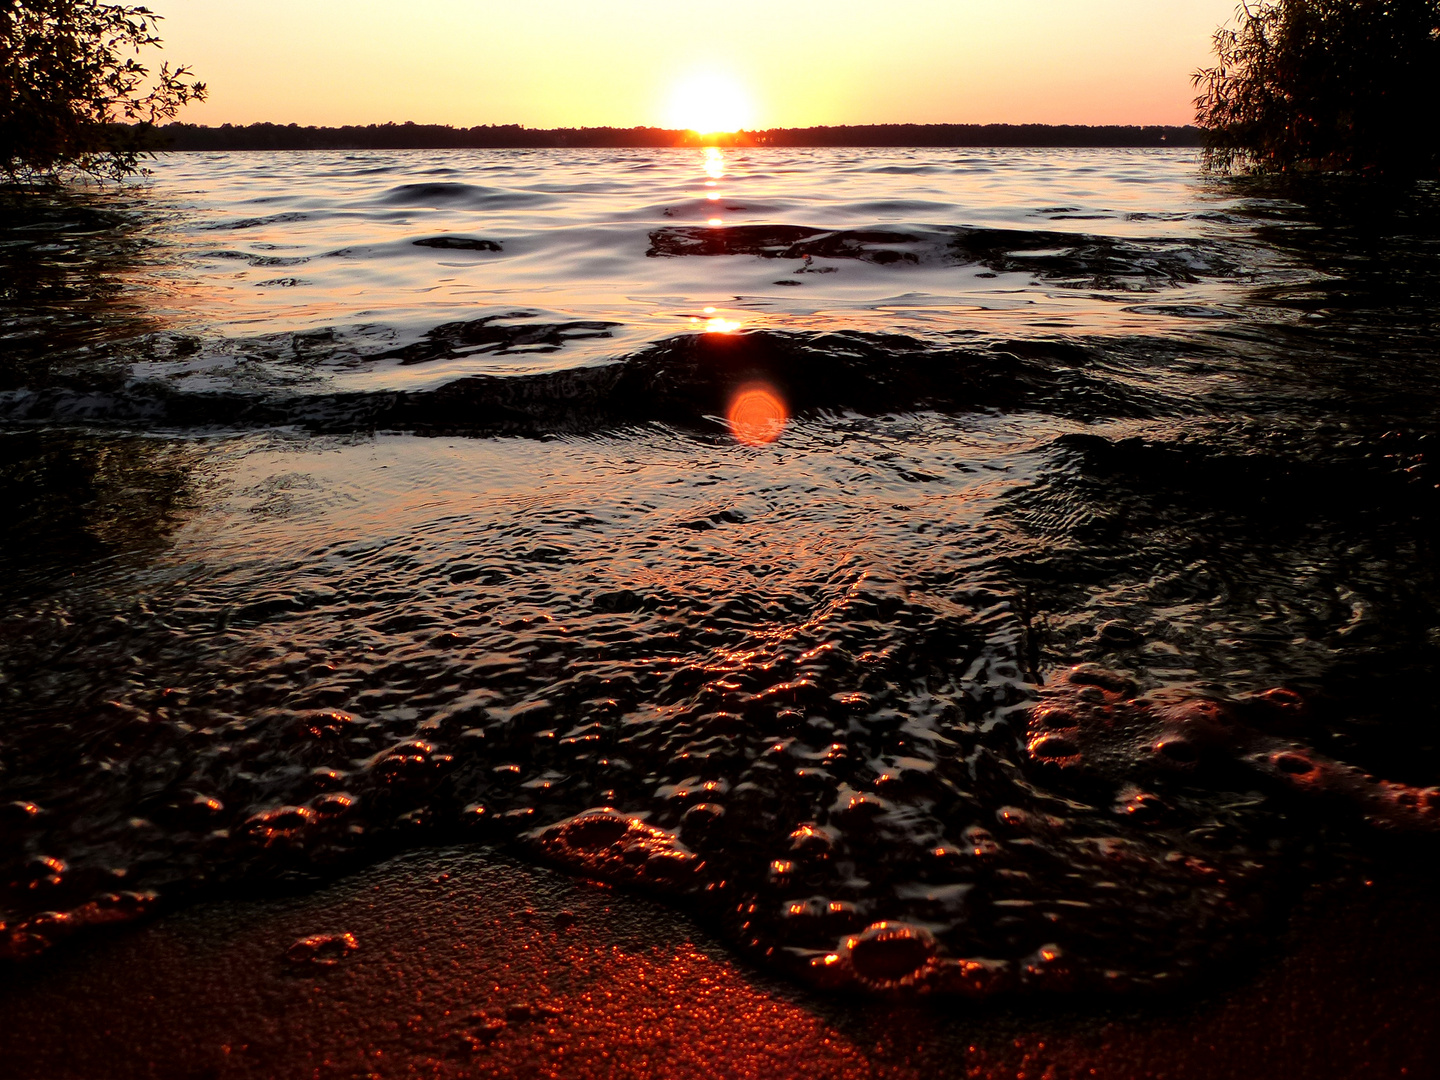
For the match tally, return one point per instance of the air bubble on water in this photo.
(700, 822)
(889, 955)
(608, 844)
(1015, 818)
(1048, 968)
(323, 778)
(519, 818)
(45, 871)
(1056, 717)
(1054, 748)
(810, 842)
(1294, 764)
(980, 843)
(475, 815)
(411, 762)
(333, 804)
(323, 724)
(854, 809)
(591, 831)
(1177, 750)
(322, 950)
(280, 825)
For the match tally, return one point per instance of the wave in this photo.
(254, 259)
(1102, 261)
(458, 243)
(455, 194)
(256, 222)
(680, 381)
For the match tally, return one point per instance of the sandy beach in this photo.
(472, 964)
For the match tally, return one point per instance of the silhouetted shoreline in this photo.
(410, 136)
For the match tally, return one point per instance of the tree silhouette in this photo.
(73, 92)
(1325, 85)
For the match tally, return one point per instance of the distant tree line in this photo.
(981, 135)
(412, 136)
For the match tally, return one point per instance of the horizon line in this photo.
(409, 135)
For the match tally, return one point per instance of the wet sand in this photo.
(449, 981)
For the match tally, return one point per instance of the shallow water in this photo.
(367, 501)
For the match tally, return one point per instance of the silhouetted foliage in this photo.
(1325, 85)
(73, 92)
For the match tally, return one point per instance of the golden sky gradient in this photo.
(566, 63)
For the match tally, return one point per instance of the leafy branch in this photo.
(1325, 85)
(74, 92)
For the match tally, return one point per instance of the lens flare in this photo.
(757, 415)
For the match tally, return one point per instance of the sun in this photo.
(709, 102)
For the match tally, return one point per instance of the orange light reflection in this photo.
(714, 162)
(757, 415)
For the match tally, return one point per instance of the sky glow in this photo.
(566, 63)
(709, 101)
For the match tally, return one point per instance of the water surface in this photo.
(1068, 602)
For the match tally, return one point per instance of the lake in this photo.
(988, 572)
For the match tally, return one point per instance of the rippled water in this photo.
(938, 569)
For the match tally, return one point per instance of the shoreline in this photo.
(473, 963)
(410, 136)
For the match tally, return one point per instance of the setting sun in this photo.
(709, 102)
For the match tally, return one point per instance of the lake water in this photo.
(975, 571)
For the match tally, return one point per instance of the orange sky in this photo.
(562, 63)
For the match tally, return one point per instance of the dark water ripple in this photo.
(1054, 644)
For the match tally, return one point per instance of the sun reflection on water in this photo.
(714, 163)
(715, 323)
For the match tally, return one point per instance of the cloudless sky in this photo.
(788, 63)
